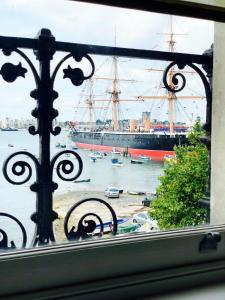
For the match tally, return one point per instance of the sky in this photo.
(71, 21)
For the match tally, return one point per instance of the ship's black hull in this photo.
(157, 146)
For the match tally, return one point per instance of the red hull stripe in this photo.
(158, 155)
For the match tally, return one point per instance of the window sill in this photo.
(121, 267)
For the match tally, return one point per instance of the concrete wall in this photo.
(218, 128)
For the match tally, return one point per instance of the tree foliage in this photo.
(182, 186)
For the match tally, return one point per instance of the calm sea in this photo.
(19, 201)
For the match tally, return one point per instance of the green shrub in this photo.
(182, 186)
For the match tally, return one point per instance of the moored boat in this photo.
(95, 155)
(136, 193)
(127, 227)
(116, 162)
(114, 151)
(107, 226)
(144, 157)
(84, 180)
(59, 145)
(135, 161)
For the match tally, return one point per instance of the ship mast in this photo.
(115, 94)
(90, 104)
(171, 94)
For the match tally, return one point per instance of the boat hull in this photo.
(155, 146)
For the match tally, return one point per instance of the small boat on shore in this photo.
(127, 227)
(108, 225)
(136, 193)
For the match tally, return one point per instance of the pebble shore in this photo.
(125, 207)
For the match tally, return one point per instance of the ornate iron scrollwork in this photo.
(66, 167)
(4, 240)
(86, 227)
(20, 167)
(173, 85)
(44, 113)
(10, 72)
(76, 75)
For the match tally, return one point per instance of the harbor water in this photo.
(20, 202)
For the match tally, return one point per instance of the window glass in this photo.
(132, 164)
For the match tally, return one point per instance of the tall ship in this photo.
(155, 140)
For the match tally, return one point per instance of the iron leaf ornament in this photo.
(76, 75)
(10, 72)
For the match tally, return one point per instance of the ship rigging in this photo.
(148, 141)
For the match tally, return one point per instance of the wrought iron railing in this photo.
(44, 47)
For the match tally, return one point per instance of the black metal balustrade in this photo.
(44, 47)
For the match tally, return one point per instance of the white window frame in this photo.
(125, 267)
(129, 266)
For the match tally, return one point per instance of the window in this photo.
(162, 256)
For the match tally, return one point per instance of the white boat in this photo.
(95, 155)
(143, 157)
(136, 193)
(119, 164)
(116, 163)
(114, 151)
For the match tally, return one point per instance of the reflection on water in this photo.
(19, 201)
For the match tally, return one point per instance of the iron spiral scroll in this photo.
(19, 171)
(178, 80)
(86, 227)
